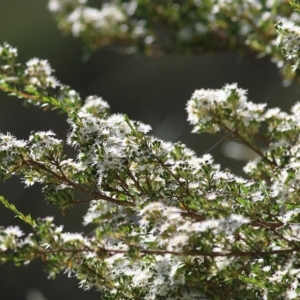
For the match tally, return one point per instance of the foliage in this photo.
(157, 27)
(169, 224)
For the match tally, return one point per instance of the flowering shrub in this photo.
(169, 224)
(157, 27)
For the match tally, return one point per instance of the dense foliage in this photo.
(169, 224)
(157, 27)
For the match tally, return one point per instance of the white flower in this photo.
(291, 294)
(39, 72)
(13, 231)
(95, 102)
(67, 237)
(288, 40)
(56, 6)
(143, 128)
(266, 268)
(257, 196)
(141, 278)
(107, 19)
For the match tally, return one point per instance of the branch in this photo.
(236, 253)
(96, 195)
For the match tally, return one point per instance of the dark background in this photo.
(151, 90)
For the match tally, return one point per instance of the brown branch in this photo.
(245, 142)
(267, 225)
(96, 195)
(137, 184)
(25, 95)
(234, 253)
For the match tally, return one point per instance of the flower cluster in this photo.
(58, 5)
(288, 41)
(229, 109)
(95, 105)
(39, 73)
(105, 20)
(81, 20)
(11, 154)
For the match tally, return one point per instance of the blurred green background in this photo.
(152, 90)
